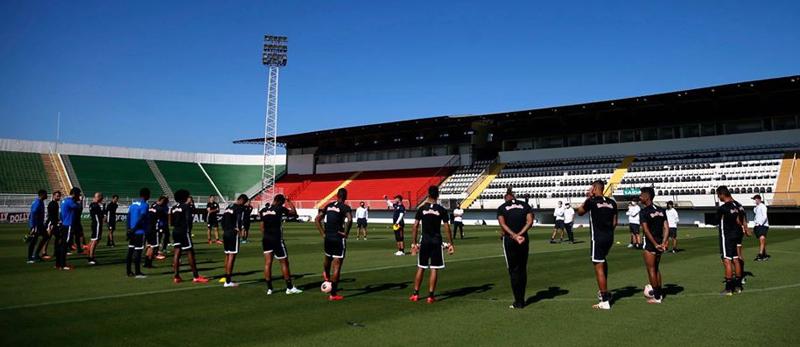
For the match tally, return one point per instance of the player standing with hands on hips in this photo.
(516, 218)
(603, 220)
(338, 220)
(430, 251)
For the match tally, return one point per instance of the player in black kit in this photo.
(653, 220)
(111, 219)
(603, 220)
(732, 227)
(338, 221)
(212, 210)
(97, 213)
(515, 218)
(247, 210)
(231, 225)
(430, 251)
(181, 219)
(53, 224)
(272, 241)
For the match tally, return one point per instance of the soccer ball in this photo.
(326, 287)
(648, 291)
(396, 227)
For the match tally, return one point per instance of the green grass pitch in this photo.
(99, 305)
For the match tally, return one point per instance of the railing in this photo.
(422, 192)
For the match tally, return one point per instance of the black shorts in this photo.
(335, 248)
(601, 245)
(634, 228)
(97, 231)
(213, 222)
(650, 247)
(761, 230)
(430, 256)
(112, 224)
(182, 239)
(727, 245)
(361, 222)
(458, 224)
(398, 234)
(136, 241)
(568, 226)
(559, 224)
(274, 246)
(246, 224)
(151, 238)
(230, 241)
(673, 232)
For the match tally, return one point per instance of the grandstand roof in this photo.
(749, 99)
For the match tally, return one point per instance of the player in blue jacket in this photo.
(68, 219)
(138, 223)
(36, 225)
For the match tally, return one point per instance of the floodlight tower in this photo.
(273, 57)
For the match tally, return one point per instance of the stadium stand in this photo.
(458, 183)
(310, 187)
(22, 173)
(550, 178)
(744, 170)
(120, 176)
(180, 175)
(410, 183)
(234, 179)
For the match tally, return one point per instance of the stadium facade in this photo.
(684, 144)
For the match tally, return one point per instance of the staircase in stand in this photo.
(162, 182)
(481, 183)
(56, 175)
(787, 188)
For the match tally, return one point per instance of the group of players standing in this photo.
(147, 225)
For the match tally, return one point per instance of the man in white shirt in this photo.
(458, 222)
(362, 213)
(761, 227)
(569, 218)
(559, 225)
(672, 223)
(633, 224)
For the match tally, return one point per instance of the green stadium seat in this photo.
(181, 175)
(234, 179)
(22, 173)
(123, 177)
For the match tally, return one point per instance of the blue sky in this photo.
(186, 75)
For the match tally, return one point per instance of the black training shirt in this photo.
(602, 211)
(431, 216)
(515, 213)
(335, 214)
(272, 220)
(654, 217)
(728, 215)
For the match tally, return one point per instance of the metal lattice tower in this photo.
(274, 57)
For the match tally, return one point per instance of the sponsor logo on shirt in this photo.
(514, 206)
(605, 205)
(333, 208)
(656, 214)
(433, 212)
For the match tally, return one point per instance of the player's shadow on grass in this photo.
(672, 289)
(462, 292)
(376, 288)
(545, 294)
(624, 292)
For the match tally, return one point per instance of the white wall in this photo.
(778, 137)
(12, 145)
(377, 165)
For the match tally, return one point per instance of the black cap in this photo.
(757, 196)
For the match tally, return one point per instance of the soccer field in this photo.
(101, 306)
